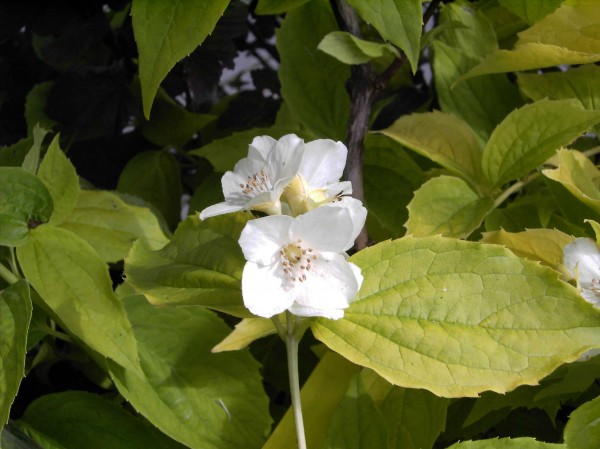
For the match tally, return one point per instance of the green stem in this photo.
(8, 275)
(513, 189)
(291, 342)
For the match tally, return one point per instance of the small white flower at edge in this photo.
(582, 259)
(299, 264)
(258, 180)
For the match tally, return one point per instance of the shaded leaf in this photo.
(165, 32)
(507, 443)
(200, 399)
(201, 266)
(75, 419)
(582, 431)
(277, 6)
(24, 203)
(35, 107)
(155, 176)
(313, 83)
(15, 315)
(473, 317)
(398, 21)
(532, 10)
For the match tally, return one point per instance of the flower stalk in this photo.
(291, 342)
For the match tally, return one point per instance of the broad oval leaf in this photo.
(111, 225)
(245, 332)
(15, 315)
(313, 83)
(349, 49)
(545, 245)
(398, 21)
(458, 318)
(532, 10)
(60, 177)
(202, 266)
(155, 176)
(579, 176)
(530, 135)
(443, 138)
(203, 400)
(166, 32)
(75, 286)
(446, 205)
(507, 443)
(24, 203)
(582, 430)
(80, 419)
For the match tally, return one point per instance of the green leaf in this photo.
(578, 42)
(582, 83)
(15, 315)
(74, 419)
(200, 399)
(443, 138)
(225, 152)
(582, 431)
(530, 135)
(507, 443)
(349, 49)
(24, 203)
(111, 225)
(415, 417)
(320, 397)
(14, 155)
(446, 205)
(32, 158)
(357, 423)
(579, 176)
(545, 245)
(172, 124)
(398, 21)
(155, 176)
(166, 32)
(532, 10)
(277, 6)
(313, 83)
(390, 177)
(74, 284)
(483, 102)
(458, 318)
(35, 107)
(201, 266)
(60, 177)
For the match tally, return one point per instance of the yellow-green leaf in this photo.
(446, 205)
(349, 49)
(545, 245)
(458, 318)
(245, 332)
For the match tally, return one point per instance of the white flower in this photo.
(258, 180)
(318, 178)
(299, 264)
(582, 259)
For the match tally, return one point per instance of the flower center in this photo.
(297, 260)
(257, 183)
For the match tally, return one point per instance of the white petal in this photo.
(285, 157)
(323, 162)
(260, 147)
(219, 209)
(262, 290)
(330, 284)
(248, 166)
(591, 295)
(582, 259)
(334, 314)
(358, 215)
(262, 238)
(324, 228)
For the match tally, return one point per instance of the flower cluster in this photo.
(582, 259)
(296, 255)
